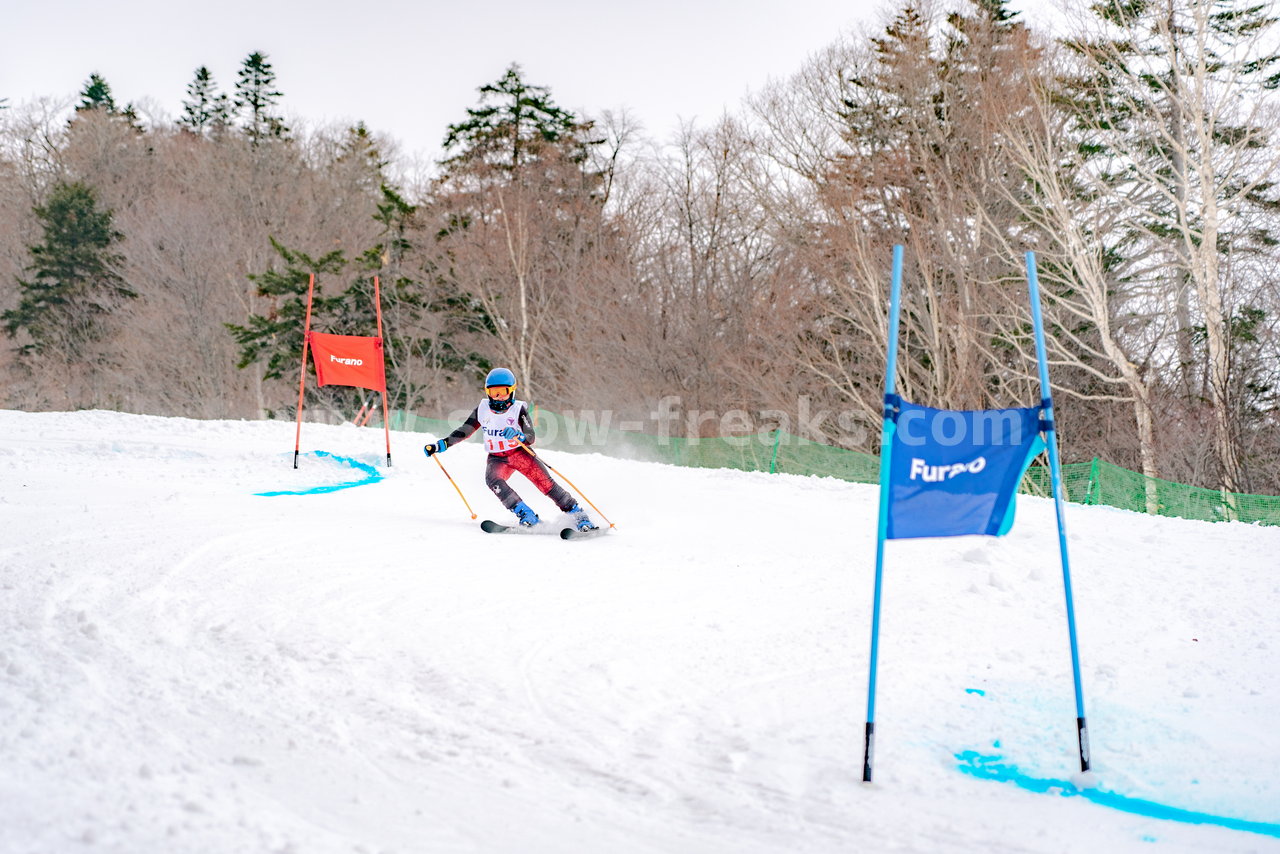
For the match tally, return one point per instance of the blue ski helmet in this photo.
(500, 376)
(503, 382)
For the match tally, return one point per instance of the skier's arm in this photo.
(471, 425)
(526, 426)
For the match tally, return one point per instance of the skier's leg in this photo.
(532, 468)
(496, 472)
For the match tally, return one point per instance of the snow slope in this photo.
(188, 666)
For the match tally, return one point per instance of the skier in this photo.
(508, 434)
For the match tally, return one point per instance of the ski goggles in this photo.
(499, 392)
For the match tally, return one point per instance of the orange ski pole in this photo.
(436, 457)
(572, 485)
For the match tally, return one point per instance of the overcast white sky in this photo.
(409, 68)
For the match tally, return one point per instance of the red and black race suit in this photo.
(502, 464)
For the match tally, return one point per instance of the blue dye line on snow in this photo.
(994, 768)
(372, 475)
(977, 691)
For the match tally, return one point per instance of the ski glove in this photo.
(513, 433)
(435, 448)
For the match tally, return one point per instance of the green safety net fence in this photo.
(1097, 482)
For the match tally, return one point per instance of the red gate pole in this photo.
(386, 422)
(302, 380)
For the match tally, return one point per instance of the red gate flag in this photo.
(354, 360)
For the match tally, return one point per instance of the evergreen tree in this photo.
(416, 351)
(514, 120)
(96, 95)
(520, 214)
(361, 152)
(205, 110)
(1168, 101)
(426, 320)
(256, 99)
(75, 280)
(925, 164)
(276, 337)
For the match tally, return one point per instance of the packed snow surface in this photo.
(188, 665)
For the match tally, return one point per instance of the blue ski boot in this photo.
(581, 520)
(525, 514)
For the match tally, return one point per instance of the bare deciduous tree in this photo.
(1177, 96)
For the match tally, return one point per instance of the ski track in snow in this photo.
(189, 666)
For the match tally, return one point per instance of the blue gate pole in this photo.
(1055, 473)
(886, 442)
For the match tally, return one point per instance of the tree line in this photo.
(162, 267)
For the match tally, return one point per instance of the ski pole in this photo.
(436, 457)
(566, 480)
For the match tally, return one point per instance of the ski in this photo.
(491, 527)
(575, 534)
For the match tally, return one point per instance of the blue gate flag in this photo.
(944, 473)
(955, 472)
